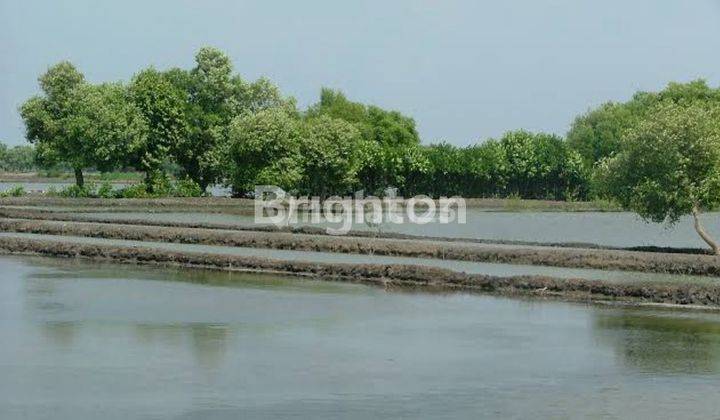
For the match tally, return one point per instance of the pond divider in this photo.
(690, 264)
(388, 275)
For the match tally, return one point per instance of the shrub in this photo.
(73, 191)
(106, 190)
(187, 188)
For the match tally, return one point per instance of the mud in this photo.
(400, 276)
(606, 259)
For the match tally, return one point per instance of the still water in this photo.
(609, 229)
(82, 340)
(470, 267)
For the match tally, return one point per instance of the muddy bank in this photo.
(401, 276)
(603, 259)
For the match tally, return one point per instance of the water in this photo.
(83, 341)
(608, 229)
(470, 267)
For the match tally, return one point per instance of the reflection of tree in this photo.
(60, 334)
(661, 342)
(207, 342)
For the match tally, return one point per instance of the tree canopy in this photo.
(668, 165)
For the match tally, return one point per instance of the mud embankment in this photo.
(559, 257)
(401, 276)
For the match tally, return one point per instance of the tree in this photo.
(208, 90)
(332, 155)
(17, 158)
(104, 127)
(598, 134)
(264, 149)
(392, 148)
(45, 116)
(162, 104)
(668, 166)
(213, 98)
(541, 166)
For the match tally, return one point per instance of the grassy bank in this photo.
(219, 203)
(69, 177)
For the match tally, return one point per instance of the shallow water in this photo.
(105, 341)
(608, 229)
(470, 267)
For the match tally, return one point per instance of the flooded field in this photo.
(608, 229)
(86, 341)
(470, 267)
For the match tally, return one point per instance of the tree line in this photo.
(214, 127)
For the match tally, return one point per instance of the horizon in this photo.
(501, 67)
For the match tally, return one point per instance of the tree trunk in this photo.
(704, 235)
(79, 179)
(149, 182)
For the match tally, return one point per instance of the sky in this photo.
(466, 70)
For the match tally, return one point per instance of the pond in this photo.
(608, 229)
(470, 267)
(84, 340)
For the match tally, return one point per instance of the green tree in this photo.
(45, 116)
(162, 104)
(81, 125)
(541, 165)
(17, 158)
(332, 155)
(208, 91)
(668, 166)
(486, 166)
(214, 97)
(393, 151)
(599, 133)
(105, 127)
(264, 149)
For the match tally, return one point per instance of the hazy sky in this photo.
(465, 70)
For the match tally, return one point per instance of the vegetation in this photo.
(17, 159)
(657, 154)
(668, 166)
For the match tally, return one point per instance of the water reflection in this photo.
(668, 342)
(154, 343)
(610, 229)
(60, 335)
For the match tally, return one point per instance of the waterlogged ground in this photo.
(607, 229)
(470, 267)
(83, 340)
